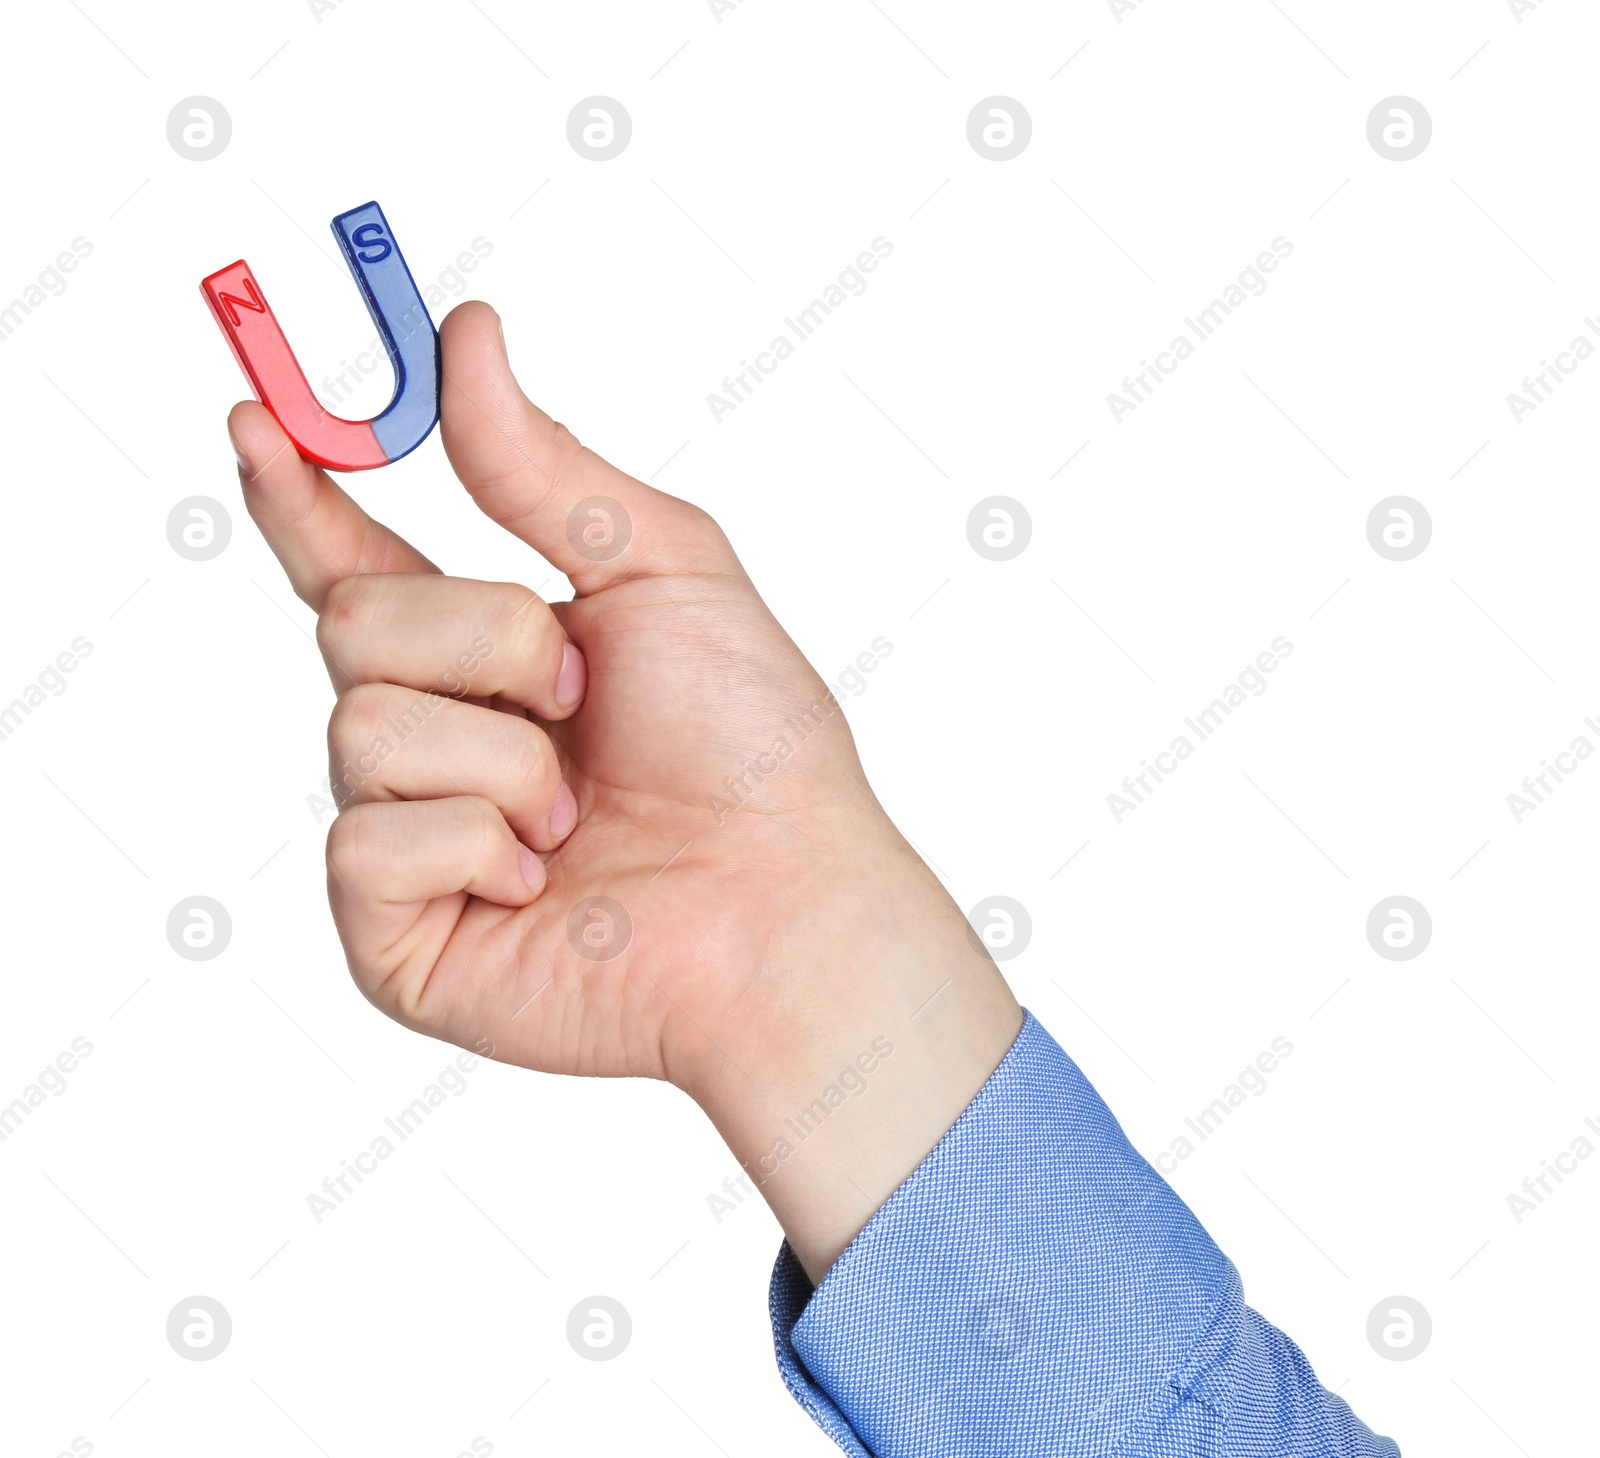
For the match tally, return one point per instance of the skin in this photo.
(578, 757)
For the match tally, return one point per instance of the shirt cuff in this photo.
(1036, 1287)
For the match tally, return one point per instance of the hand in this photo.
(660, 742)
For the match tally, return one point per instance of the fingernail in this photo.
(500, 328)
(573, 678)
(532, 869)
(564, 813)
(238, 454)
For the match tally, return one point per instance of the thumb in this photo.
(593, 522)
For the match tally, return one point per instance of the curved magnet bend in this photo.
(396, 307)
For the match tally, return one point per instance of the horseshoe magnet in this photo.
(252, 330)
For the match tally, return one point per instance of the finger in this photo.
(593, 522)
(400, 875)
(317, 532)
(390, 743)
(451, 635)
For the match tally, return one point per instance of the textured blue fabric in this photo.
(1034, 1288)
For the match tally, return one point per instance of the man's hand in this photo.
(634, 837)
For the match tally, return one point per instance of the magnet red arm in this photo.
(280, 384)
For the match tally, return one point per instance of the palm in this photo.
(691, 682)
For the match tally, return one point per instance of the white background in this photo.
(1169, 148)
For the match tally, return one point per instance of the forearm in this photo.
(892, 1020)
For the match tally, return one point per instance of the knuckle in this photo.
(699, 520)
(524, 635)
(565, 447)
(702, 532)
(512, 598)
(355, 731)
(343, 611)
(484, 828)
(528, 758)
(358, 715)
(352, 845)
(569, 463)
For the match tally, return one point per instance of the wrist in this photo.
(886, 1027)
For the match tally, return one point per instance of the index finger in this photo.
(315, 530)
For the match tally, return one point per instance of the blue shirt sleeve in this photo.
(1036, 1288)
